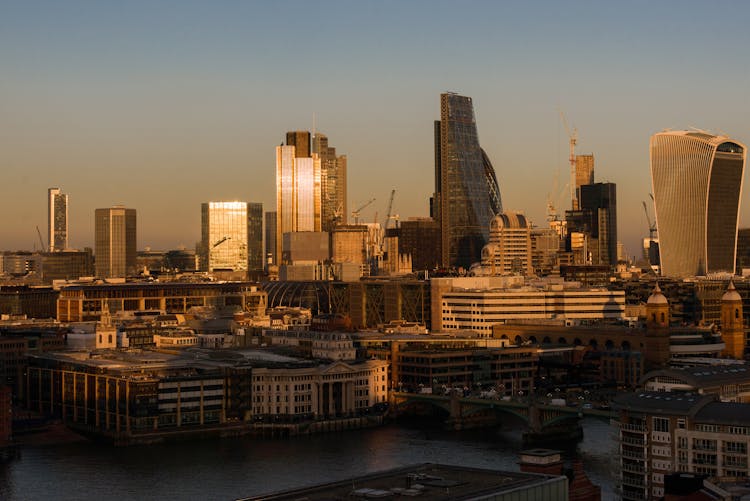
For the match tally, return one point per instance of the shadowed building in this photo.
(697, 181)
(115, 242)
(467, 195)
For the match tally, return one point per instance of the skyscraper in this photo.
(57, 220)
(584, 175)
(231, 236)
(467, 194)
(298, 187)
(115, 242)
(270, 231)
(600, 201)
(332, 181)
(697, 182)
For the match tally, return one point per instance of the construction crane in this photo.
(573, 139)
(389, 214)
(355, 213)
(651, 226)
(221, 241)
(41, 240)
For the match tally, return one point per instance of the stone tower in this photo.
(732, 325)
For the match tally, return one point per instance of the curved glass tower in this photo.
(697, 182)
(467, 195)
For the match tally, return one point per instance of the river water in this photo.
(233, 468)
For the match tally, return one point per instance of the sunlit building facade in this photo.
(231, 236)
(584, 175)
(467, 195)
(509, 250)
(298, 187)
(697, 182)
(115, 242)
(57, 220)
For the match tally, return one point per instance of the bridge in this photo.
(542, 420)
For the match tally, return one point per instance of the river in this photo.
(232, 468)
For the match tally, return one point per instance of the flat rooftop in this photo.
(435, 482)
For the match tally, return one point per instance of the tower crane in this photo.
(355, 213)
(651, 226)
(573, 139)
(389, 214)
(41, 241)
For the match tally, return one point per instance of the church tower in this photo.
(657, 310)
(732, 324)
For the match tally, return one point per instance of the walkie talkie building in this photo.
(697, 182)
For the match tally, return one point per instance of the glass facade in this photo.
(467, 194)
(57, 220)
(333, 183)
(231, 236)
(115, 242)
(697, 183)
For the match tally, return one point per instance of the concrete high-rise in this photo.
(115, 242)
(231, 236)
(467, 195)
(509, 250)
(697, 182)
(298, 187)
(57, 220)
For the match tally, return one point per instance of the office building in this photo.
(298, 187)
(697, 181)
(231, 236)
(115, 242)
(332, 183)
(419, 237)
(57, 220)
(509, 250)
(584, 175)
(478, 303)
(255, 254)
(600, 200)
(467, 195)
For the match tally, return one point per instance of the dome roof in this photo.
(731, 294)
(656, 297)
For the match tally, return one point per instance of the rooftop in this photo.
(435, 482)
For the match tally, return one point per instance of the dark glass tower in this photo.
(467, 195)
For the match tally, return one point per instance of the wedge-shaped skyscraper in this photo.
(697, 183)
(467, 195)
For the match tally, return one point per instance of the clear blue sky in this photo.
(163, 105)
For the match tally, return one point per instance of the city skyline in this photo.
(110, 117)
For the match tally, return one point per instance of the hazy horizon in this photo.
(163, 106)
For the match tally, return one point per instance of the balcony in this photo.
(630, 440)
(633, 454)
(636, 428)
(633, 468)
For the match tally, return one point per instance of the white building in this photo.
(479, 303)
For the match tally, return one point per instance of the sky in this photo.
(163, 105)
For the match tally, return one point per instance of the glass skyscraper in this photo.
(57, 220)
(697, 182)
(467, 195)
(231, 236)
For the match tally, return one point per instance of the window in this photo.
(661, 424)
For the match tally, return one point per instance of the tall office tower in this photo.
(467, 195)
(115, 242)
(255, 255)
(270, 231)
(697, 182)
(57, 220)
(231, 236)
(599, 201)
(297, 188)
(332, 181)
(509, 250)
(584, 175)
